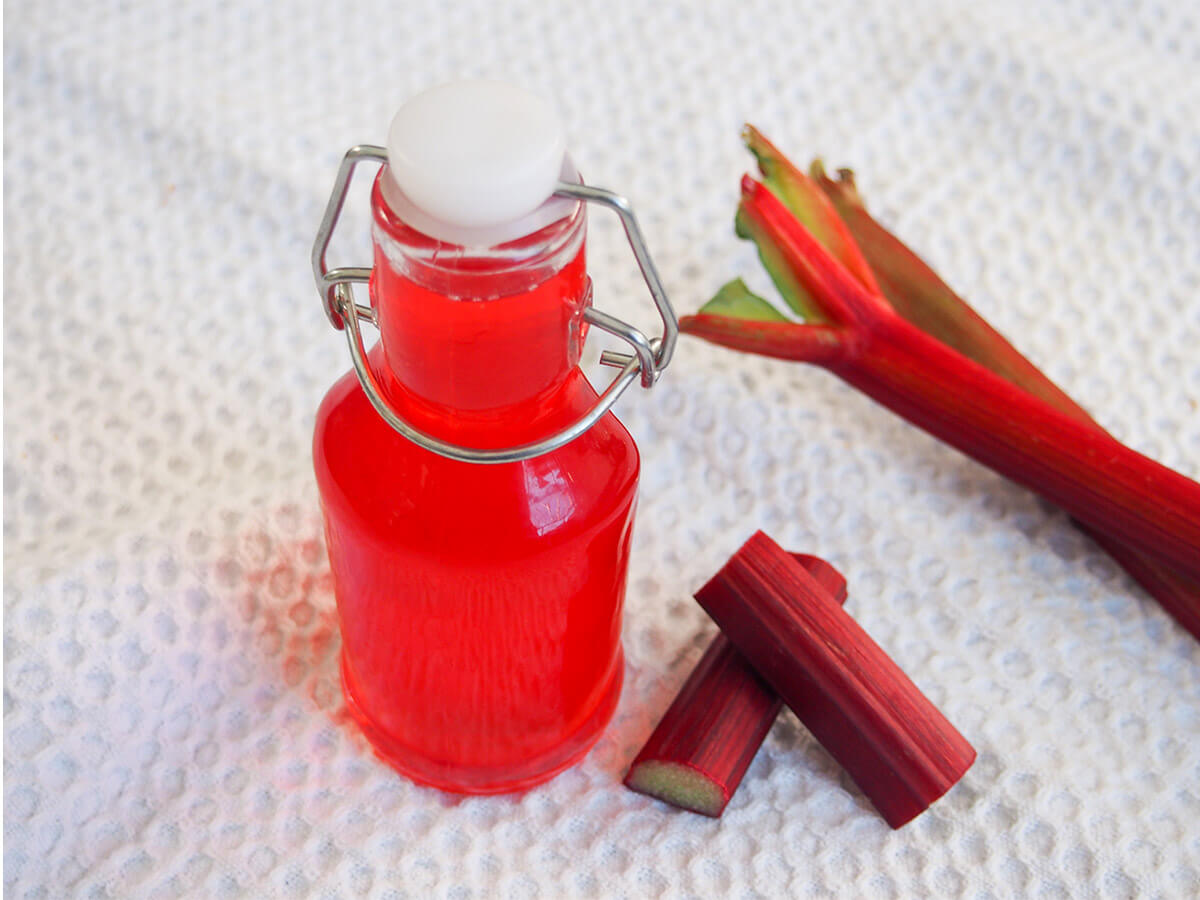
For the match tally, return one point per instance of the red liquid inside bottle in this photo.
(480, 605)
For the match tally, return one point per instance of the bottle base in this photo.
(455, 780)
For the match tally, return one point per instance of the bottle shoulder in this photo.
(345, 418)
(368, 472)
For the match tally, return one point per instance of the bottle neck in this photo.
(477, 343)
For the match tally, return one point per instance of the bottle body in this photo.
(480, 605)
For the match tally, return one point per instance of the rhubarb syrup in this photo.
(480, 605)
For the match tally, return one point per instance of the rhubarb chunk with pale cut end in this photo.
(699, 752)
(680, 785)
(854, 699)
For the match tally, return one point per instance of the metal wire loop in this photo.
(647, 362)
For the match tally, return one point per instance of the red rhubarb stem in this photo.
(700, 750)
(1111, 488)
(846, 690)
(820, 344)
(706, 740)
(1114, 490)
(919, 295)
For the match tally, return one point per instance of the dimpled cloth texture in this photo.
(173, 721)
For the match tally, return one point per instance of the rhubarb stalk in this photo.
(854, 699)
(919, 295)
(696, 757)
(834, 213)
(1114, 490)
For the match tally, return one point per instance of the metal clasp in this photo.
(648, 360)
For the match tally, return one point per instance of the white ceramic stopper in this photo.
(476, 156)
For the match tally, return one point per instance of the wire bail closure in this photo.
(648, 360)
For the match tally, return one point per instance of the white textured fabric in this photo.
(173, 721)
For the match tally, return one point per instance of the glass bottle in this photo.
(479, 604)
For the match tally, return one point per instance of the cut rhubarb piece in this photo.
(696, 757)
(854, 699)
(699, 752)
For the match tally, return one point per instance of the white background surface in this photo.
(173, 720)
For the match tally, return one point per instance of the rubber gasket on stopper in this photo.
(477, 158)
